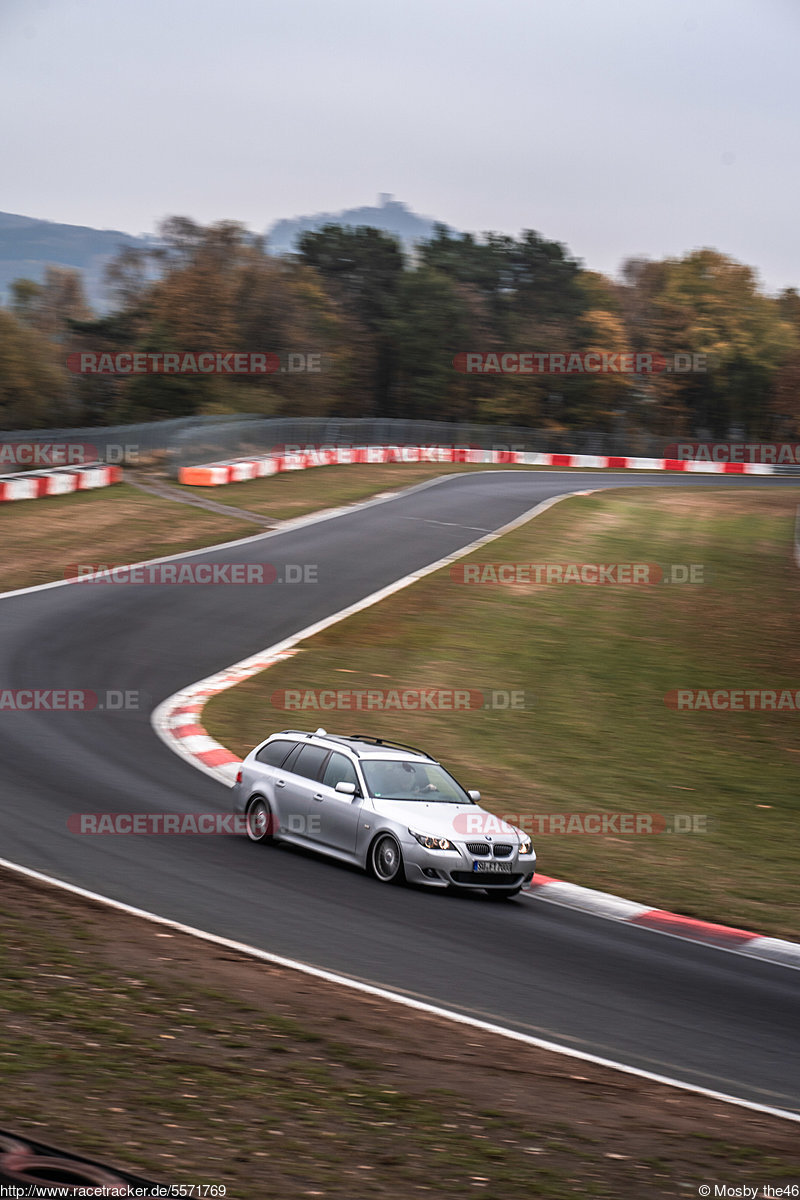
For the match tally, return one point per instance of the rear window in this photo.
(274, 753)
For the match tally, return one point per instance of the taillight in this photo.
(239, 775)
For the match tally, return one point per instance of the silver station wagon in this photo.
(380, 805)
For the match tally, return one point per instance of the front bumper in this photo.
(454, 868)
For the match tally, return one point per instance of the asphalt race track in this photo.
(711, 1018)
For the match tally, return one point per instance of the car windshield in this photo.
(396, 779)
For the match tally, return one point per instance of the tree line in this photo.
(388, 325)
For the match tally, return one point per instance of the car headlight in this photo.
(525, 844)
(431, 843)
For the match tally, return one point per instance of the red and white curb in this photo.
(177, 721)
(237, 470)
(57, 481)
(615, 908)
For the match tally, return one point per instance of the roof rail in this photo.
(356, 737)
(366, 737)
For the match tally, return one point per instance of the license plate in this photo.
(503, 867)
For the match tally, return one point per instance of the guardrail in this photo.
(188, 441)
(117, 445)
(257, 438)
(191, 441)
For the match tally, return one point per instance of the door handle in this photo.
(281, 783)
(318, 796)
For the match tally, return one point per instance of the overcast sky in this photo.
(621, 127)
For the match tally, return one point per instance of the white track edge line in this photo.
(394, 997)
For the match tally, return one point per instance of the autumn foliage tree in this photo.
(388, 324)
(33, 383)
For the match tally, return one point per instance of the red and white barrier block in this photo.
(614, 463)
(58, 481)
(237, 469)
(240, 469)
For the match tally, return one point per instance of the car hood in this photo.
(459, 822)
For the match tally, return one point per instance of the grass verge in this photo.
(188, 1063)
(42, 538)
(594, 664)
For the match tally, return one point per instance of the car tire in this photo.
(258, 820)
(502, 893)
(386, 859)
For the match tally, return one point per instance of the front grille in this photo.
(501, 850)
(479, 849)
(486, 878)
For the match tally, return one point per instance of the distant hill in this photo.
(390, 215)
(28, 246)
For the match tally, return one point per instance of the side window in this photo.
(339, 770)
(274, 753)
(310, 761)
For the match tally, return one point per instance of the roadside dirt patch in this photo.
(153, 1050)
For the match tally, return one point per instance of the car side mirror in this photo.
(474, 796)
(347, 789)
